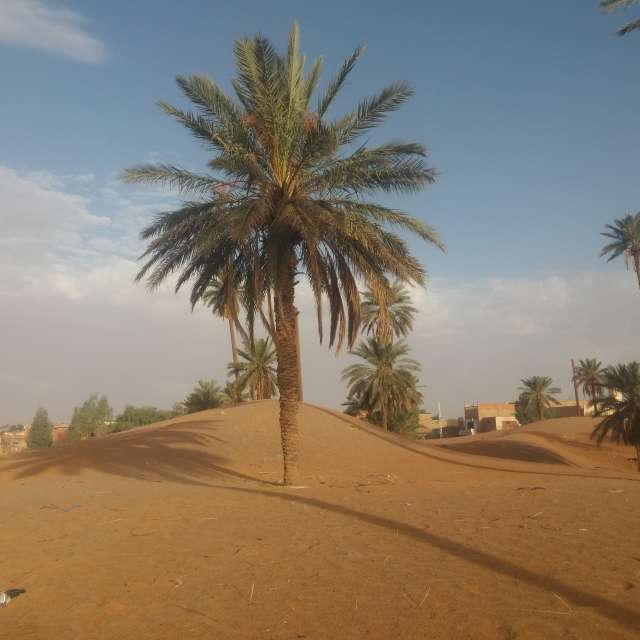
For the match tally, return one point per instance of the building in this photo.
(60, 433)
(433, 427)
(12, 442)
(568, 409)
(490, 416)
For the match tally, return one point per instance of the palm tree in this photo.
(232, 394)
(385, 384)
(612, 5)
(290, 192)
(388, 318)
(206, 395)
(589, 375)
(222, 297)
(258, 371)
(538, 394)
(621, 407)
(625, 234)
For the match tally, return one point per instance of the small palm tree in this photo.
(257, 371)
(612, 5)
(537, 394)
(388, 318)
(232, 394)
(385, 384)
(589, 375)
(352, 406)
(222, 297)
(621, 408)
(291, 192)
(625, 234)
(206, 395)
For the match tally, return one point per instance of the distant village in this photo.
(482, 417)
(13, 438)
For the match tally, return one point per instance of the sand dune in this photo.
(562, 441)
(181, 530)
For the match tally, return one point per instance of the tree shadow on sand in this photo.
(175, 452)
(616, 612)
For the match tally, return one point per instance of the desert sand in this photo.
(180, 530)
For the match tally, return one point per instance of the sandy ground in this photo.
(181, 531)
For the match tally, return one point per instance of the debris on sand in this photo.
(7, 596)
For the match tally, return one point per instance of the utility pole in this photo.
(575, 387)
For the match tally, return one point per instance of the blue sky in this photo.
(529, 111)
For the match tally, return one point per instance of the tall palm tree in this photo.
(625, 235)
(621, 408)
(257, 370)
(538, 394)
(290, 192)
(589, 375)
(385, 384)
(612, 5)
(206, 395)
(390, 318)
(222, 297)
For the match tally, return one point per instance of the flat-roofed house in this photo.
(490, 416)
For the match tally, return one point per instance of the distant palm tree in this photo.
(386, 383)
(206, 395)
(292, 192)
(222, 297)
(621, 408)
(352, 406)
(538, 394)
(257, 371)
(388, 318)
(625, 234)
(232, 394)
(589, 374)
(612, 5)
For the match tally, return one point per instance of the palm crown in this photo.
(538, 394)
(206, 395)
(386, 382)
(589, 374)
(388, 318)
(612, 5)
(257, 370)
(621, 408)
(625, 241)
(287, 189)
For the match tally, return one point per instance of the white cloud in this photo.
(73, 320)
(40, 25)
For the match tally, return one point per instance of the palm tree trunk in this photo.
(385, 413)
(286, 346)
(638, 456)
(234, 351)
(540, 410)
(300, 394)
(636, 264)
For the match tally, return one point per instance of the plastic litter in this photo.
(7, 596)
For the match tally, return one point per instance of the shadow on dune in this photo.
(173, 453)
(508, 450)
(611, 610)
